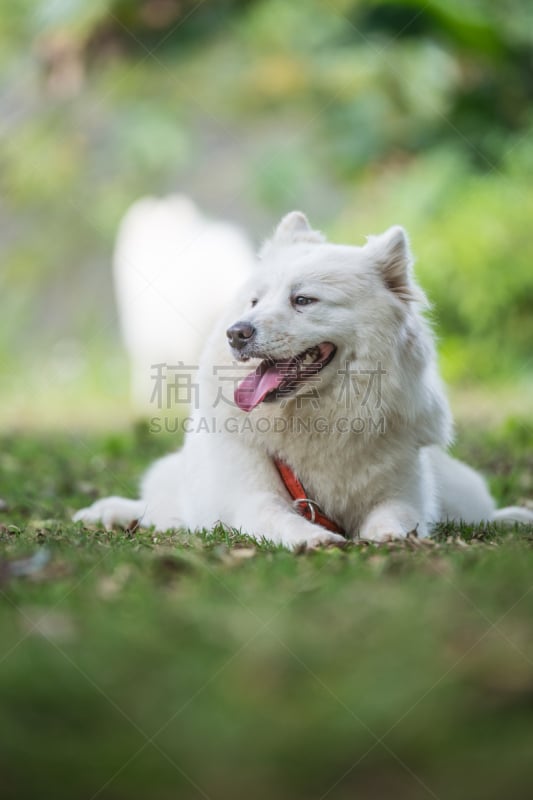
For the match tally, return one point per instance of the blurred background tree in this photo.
(364, 114)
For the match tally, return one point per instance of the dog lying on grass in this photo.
(340, 422)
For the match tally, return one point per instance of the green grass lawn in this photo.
(139, 665)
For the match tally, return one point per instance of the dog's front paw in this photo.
(324, 540)
(312, 541)
(380, 535)
(392, 520)
(383, 528)
(111, 511)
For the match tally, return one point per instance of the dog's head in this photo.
(312, 307)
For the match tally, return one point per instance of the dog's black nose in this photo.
(240, 334)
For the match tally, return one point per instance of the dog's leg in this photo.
(462, 492)
(218, 479)
(158, 505)
(239, 486)
(266, 515)
(113, 511)
(392, 519)
(510, 515)
(250, 498)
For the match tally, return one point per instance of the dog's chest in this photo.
(344, 475)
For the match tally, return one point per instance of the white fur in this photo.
(376, 483)
(174, 270)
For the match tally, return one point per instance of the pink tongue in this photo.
(254, 388)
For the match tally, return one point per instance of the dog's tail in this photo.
(512, 514)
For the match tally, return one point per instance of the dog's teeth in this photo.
(310, 356)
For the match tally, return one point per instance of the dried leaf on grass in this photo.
(37, 567)
(109, 586)
(48, 623)
(24, 567)
(233, 556)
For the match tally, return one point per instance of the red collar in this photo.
(304, 505)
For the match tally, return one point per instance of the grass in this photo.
(140, 665)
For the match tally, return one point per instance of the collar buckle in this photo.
(312, 506)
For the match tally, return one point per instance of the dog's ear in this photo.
(393, 258)
(294, 227)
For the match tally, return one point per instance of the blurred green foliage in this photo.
(364, 114)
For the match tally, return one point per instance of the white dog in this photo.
(338, 423)
(174, 269)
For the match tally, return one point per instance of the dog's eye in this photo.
(254, 302)
(300, 300)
